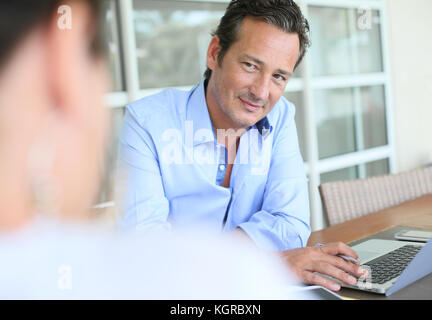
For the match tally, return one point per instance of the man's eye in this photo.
(280, 77)
(249, 66)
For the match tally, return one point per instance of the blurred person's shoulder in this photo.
(53, 260)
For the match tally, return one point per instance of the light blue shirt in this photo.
(171, 169)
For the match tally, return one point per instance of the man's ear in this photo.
(213, 53)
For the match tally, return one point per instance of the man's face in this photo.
(253, 73)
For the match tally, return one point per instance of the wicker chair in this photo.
(346, 200)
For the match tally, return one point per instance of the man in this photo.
(225, 155)
(54, 138)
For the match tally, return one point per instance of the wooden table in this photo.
(415, 214)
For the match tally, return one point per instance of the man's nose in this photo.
(261, 88)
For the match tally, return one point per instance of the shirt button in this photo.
(222, 167)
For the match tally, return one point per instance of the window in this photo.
(371, 169)
(341, 89)
(115, 100)
(172, 39)
(114, 49)
(348, 112)
(342, 43)
(349, 119)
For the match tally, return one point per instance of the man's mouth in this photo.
(250, 106)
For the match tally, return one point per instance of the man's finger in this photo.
(329, 269)
(344, 265)
(315, 279)
(339, 248)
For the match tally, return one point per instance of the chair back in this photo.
(346, 200)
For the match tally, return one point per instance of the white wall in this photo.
(410, 45)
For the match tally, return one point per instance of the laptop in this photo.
(392, 264)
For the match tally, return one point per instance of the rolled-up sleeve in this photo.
(140, 194)
(283, 222)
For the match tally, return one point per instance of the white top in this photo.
(51, 260)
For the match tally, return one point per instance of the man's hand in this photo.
(305, 261)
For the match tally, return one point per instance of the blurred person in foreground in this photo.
(52, 136)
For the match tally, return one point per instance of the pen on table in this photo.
(341, 255)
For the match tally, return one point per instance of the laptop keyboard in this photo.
(392, 264)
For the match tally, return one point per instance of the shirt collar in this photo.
(264, 127)
(197, 112)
